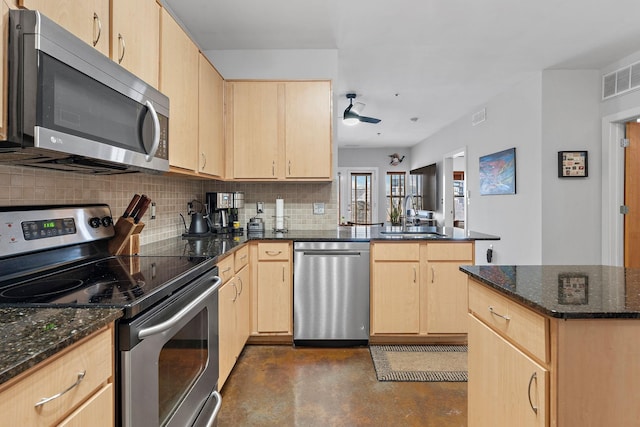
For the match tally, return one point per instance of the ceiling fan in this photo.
(352, 115)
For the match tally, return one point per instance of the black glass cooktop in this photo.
(133, 283)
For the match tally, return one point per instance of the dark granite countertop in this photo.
(566, 291)
(30, 335)
(217, 245)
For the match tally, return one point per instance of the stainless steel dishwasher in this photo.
(331, 293)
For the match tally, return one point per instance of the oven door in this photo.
(169, 360)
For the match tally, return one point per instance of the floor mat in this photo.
(420, 362)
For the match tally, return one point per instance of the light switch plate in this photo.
(259, 207)
(318, 208)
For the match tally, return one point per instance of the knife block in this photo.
(127, 238)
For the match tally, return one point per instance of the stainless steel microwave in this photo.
(72, 108)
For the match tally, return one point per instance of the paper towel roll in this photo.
(279, 214)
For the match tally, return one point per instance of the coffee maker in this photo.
(223, 211)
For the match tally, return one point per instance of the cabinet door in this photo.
(179, 81)
(227, 295)
(98, 411)
(447, 298)
(135, 38)
(210, 122)
(274, 297)
(308, 129)
(396, 298)
(504, 384)
(88, 20)
(254, 129)
(243, 326)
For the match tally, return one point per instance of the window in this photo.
(395, 192)
(361, 198)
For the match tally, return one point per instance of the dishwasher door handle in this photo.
(332, 253)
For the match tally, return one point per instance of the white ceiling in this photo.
(436, 60)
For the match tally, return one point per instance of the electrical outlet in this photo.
(318, 208)
(259, 207)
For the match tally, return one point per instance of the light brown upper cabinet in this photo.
(279, 130)
(179, 58)
(211, 123)
(135, 38)
(88, 20)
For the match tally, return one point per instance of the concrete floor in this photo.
(287, 386)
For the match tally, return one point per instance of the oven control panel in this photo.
(26, 229)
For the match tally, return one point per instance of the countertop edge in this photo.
(71, 325)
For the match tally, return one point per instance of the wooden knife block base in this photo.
(127, 238)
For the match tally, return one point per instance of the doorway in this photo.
(454, 193)
(358, 195)
(613, 185)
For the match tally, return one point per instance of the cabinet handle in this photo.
(495, 313)
(289, 167)
(533, 377)
(243, 256)
(433, 275)
(49, 399)
(273, 253)
(241, 285)
(415, 276)
(96, 18)
(124, 47)
(226, 269)
(204, 160)
(273, 168)
(236, 295)
(283, 274)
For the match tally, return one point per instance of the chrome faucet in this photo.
(408, 207)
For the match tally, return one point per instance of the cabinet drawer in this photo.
(226, 269)
(273, 251)
(524, 327)
(241, 258)
(449, 251)
(396, 251)
(98, 411)
(94, 357)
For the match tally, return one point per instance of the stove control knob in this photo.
(106, 221)
(94, 222)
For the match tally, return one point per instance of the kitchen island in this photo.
(553, 345)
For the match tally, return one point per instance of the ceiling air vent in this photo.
(621, 81)
(479, 117)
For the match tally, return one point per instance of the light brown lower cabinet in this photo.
(272, 289)
(233, 311)
(417, 290)
(90, 402)
(528, 369)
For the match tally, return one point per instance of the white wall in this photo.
(513, 120)
(375, 158)
(571, 207)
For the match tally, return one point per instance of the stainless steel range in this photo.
(167, 339)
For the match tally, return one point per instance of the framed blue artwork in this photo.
(498, 173)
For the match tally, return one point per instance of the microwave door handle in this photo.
(156, 131)
(168, 324)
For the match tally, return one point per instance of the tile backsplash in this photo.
(21, 186)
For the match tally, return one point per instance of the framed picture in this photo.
(573, 164)
(573, 288)
(498, 173)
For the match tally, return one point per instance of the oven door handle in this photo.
(212, 420)
(167, 324)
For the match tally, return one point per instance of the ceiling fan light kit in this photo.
(352, 115)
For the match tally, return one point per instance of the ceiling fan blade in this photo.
(369, 119)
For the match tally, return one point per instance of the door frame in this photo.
(447, 187)
(613, 130)
(344, 188)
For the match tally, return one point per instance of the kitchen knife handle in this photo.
(136, 209)
(143, 208)
(134, 201)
